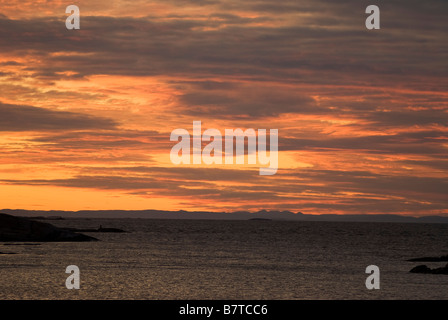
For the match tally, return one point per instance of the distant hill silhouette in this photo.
(239, 215)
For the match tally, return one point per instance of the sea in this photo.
(229, 260)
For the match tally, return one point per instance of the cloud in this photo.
(29, 118)
(124, 140)
(247, 101)
(233, 45)
(316, 190)
(410, 118)
(421, 142)
(366, 109)
(10, 63)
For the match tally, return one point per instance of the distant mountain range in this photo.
(240, 215)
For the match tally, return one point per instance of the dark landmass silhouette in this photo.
(427, 270)
(237, 215)
(19, 229)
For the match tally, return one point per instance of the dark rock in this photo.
(430, 259)
(46, 218)
(7, 253)
(421, 269)
(100, 229)
(425, 269)
(24, 229)
(443, 270)
(110, 230)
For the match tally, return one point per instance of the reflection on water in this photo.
(187, 259)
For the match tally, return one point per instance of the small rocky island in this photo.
(23, 229)
(426, 269)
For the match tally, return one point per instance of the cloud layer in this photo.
(362, 115)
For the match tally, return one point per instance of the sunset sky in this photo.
(362, 115)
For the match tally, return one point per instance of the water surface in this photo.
(206, 259)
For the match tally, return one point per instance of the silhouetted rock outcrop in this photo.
(426, 269)
(23, 229)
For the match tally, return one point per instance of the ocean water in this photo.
(205, 259)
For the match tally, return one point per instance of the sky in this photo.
(362, 115)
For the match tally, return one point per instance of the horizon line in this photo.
(284, 215)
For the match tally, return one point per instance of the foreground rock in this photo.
(425, 269)
(23, 229)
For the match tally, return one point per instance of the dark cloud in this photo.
(375, 183)
(441, 165)
(106, 140)
(248, 60)
(422, 142)
(316, 189)
(327, 183)
(331, 46)
(252, 101)
(232, 45)
(409, 118)
(29, 118)
(10, 63)
(180, 174)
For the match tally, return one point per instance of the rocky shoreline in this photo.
(19, 229)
